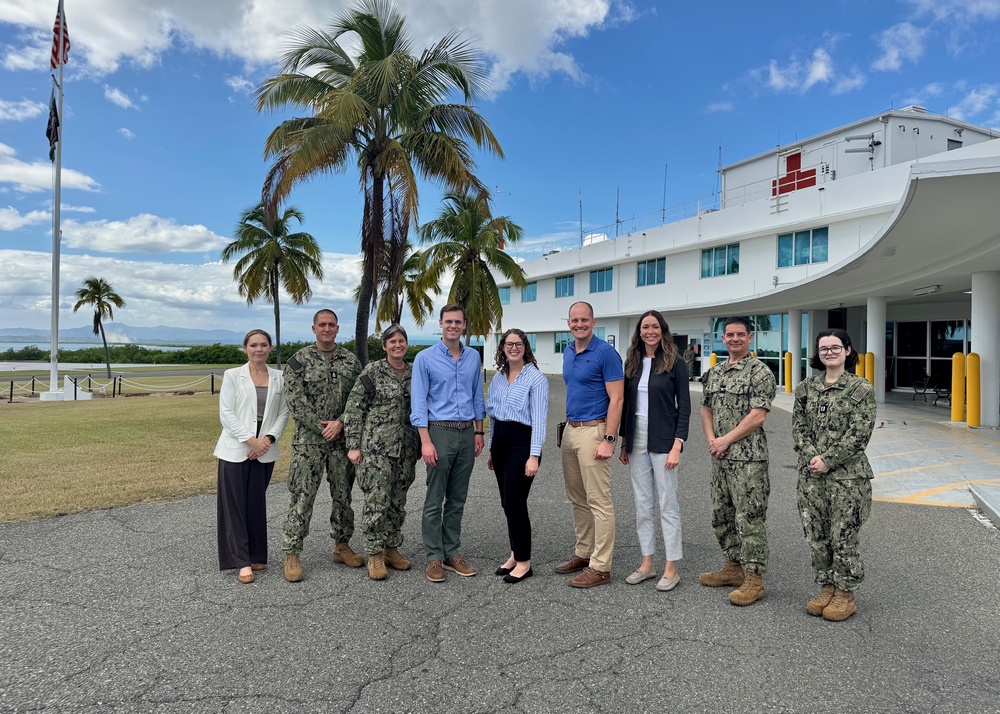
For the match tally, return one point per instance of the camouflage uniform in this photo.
(834, 422)
(377, 422)
(740, 483)
(317, 390)
(688, 357)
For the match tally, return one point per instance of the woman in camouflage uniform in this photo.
(384, 447)
(832, 422)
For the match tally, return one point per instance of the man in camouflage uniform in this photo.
(688, 358)
(384, 448)
(832, 421)
(737, 396)
(318, 379)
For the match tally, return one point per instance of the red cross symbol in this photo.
(794, 178)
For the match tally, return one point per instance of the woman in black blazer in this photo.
(654, 425)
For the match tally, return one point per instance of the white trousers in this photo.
(652, 479)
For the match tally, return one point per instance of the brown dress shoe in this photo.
(435, 571)
(257, 567)
(458, 564)
(590, 578)
(246, 579)
(572, 565)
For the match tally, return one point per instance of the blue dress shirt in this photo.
(445, 389)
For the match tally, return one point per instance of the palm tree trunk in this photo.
(374, 224)
(277, 318)
(107, 352)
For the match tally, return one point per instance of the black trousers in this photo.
(510, 450)
(242, 513)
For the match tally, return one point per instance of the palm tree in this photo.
(470, 243)
(383, 111)
(413, 287)
(98, 293)
(272, 259)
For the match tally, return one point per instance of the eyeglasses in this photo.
(514, 345)
(835, 350)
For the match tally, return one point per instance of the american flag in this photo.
(58, 57)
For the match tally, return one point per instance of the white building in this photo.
(888, 227)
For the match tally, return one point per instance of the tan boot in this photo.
(730, 574)
(395, 560)
(342, 553)
(841, 607)
(293, 568)
(749, 592)
(376, 567)
(815, 606)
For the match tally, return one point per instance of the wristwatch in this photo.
(480, 433)
(609, 438)
(270, 438)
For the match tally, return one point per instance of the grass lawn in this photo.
(64, 457)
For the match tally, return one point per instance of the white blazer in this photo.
(238, 414)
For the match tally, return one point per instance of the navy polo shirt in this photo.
(585, 375)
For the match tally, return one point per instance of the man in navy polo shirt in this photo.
(595, 392)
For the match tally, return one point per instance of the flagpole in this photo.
(57, 217)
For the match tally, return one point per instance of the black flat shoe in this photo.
(508, 578)
(503, 571)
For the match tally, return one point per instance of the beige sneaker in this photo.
(342, 553)
(395, 560)
(435, 571)
(293, 568)
(841, 607)
(376, 567)
(457, 564)
(749, 592)
(730, 574)
(816, 606)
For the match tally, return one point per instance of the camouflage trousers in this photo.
(739, 509)
(832, 514)
(305, 473)
(385, 482)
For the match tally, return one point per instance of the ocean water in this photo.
(4, 346)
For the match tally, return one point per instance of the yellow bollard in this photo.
(958, 387)
(972, 385)
(713, 359)
(870, 367)
(859, 368)
(788, 371)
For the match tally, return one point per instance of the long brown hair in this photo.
(666, 351)
(503, 366)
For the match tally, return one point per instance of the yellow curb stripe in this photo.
(898, 453)
(923, 503)
(915, 468)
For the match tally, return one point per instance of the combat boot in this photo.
(293, 568)
(841, 607)
(730, 574)
(376, 567)
(815, 606)
(749, 592)
(342, 553)
(394, 559)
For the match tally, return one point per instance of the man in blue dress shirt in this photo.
(595, 392)
(446, 402)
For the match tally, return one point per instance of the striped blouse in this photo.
(525, 401)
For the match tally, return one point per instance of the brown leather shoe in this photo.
(457, 564)
(342, 553)
(590, 578)
(257, 567)
(395, 560)
(435, 571)
(246, 579)
(572, 565)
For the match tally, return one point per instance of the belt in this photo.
(451, 424)
(592, 422)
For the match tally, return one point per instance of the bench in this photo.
(920, 387)
(942, 392)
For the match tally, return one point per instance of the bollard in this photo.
(75, 385)
(121, 380)
(958, 387)
(972, 386)
(11, 400)
(859, 368)
(713, 359)
(213, 384)
(870, 367)
(32, 386)
(90, 387)
(788, 371)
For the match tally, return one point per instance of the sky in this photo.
(626, 105)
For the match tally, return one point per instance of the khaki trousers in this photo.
(588, 488)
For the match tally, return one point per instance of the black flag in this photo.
(52, 130)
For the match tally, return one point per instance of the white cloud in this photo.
(67, 208)
(900, 43)
(240, 84)
(977, 101)
(720, 107)
(144, 233)
(11, 219)
(820, 69)
(37, 176)
(848, 83)
(127, 133)
(517, 35)
(19, 111)
(117, 96)
(960, 10)
(797, 75)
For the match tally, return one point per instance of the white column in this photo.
(986, 343)
(875, 342)
(795, 344)
(816, 320)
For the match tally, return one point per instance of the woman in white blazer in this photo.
(253, 413)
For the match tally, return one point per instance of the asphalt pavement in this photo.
(124, 610)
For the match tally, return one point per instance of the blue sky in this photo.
(163, 149)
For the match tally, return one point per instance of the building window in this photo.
(601, 280)
(803, 247)
(651, 272)
(529, 293)
(564, 286)
(563, 339)
(724, 260)
(600, 332)
(504, 294)
(531, 340)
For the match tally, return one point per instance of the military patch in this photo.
(822, 409)
(294, 364)
(861, 392)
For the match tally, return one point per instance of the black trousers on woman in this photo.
(242, 513)
(510, 450)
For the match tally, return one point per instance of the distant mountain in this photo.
(119, 333)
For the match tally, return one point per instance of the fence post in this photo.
(32, 386)
(213, 384)
(90, 387)
(75, 385)
(11, 391)
(121, 379)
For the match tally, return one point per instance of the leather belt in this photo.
(459, 425)
(592, 422)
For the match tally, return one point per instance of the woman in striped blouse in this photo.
(518, 406)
